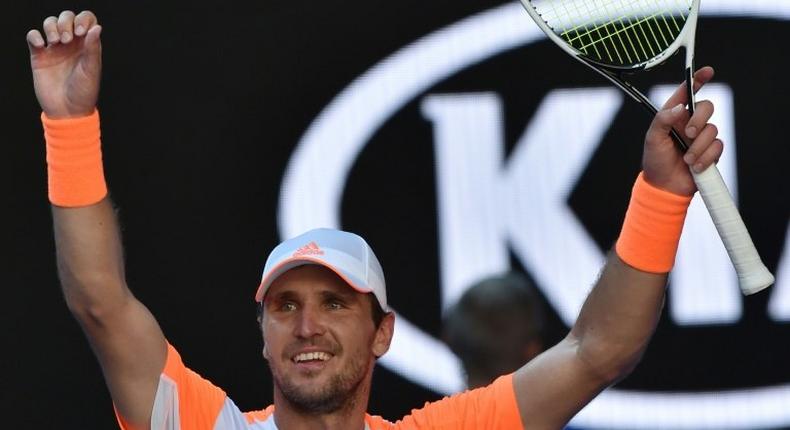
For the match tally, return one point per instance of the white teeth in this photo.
(309, 356)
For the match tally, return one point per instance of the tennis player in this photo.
(324, 316)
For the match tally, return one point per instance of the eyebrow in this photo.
(346, 296)
(282, 296)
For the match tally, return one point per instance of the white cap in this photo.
(346, 254)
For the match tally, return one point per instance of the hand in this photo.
(663, 164)
(67, 68)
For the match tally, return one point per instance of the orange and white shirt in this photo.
(186, 401)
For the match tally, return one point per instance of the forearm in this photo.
(623, 309)
(90, 260)
(124, 335)
(90, 257)
(618, 319)
(611, 333)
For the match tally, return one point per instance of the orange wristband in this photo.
(74, 160)
(652, 227)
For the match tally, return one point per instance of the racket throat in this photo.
(692, 103)
(690, 96)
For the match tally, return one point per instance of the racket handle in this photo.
(753, 276)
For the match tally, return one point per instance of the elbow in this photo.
(609, 362)
(622, 369)
(93, 298)
(92, 314)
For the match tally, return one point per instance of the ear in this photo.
(265, 352)
(383, 338)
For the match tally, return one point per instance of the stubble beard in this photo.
(338, 393)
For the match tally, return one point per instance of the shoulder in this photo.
(375, 422)
(491, 407)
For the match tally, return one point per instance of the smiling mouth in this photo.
(311, 357)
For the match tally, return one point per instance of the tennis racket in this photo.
(620, 37)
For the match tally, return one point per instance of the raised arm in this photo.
(621, 313)
(123, 334)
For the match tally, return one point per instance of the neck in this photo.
(350, 416)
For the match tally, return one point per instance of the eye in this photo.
(288, 307)
(335, 305)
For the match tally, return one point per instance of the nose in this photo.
(309, 323)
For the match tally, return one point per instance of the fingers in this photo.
(705, 150)
(93, 51)
(701, 77)
(35, 41)
(64, 28)
(699, 132)
(710, 156)
(92, 37)
(663, 122)
(51, 30)
(84, 22)
(702, 113)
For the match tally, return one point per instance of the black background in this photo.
(202, 103)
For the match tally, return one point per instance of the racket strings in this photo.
(619, 32)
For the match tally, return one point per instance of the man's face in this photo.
(320, 339)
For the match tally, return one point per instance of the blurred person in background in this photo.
(495, 327)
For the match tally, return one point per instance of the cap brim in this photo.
(293, 262)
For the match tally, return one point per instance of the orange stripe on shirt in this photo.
(261, 415)
(199, 401)
(493, 407)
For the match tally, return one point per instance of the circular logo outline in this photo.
(312, 188)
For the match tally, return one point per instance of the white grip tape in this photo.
(753, 276)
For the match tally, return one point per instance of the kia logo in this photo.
(527, 192)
